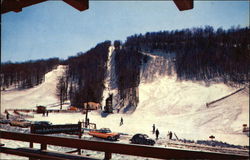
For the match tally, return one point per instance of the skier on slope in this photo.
(121, 122)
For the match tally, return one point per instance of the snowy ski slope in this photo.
(171, 105)
(43, 94)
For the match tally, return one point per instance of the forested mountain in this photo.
(86, 73)
(201, 53)
(26, 74)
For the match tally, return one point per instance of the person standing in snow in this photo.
(170, 134)
(153, 128)
(157, 133)
(8, 115)
(121, 123)
(87, 121)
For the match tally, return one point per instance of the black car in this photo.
(142, 139)
(4, 121)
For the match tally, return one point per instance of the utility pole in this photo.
(86, 117)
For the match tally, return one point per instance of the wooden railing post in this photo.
(108, 156)
(31, 131)
(31, 144)
(79, 135)
(43, 146)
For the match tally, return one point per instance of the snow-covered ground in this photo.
(43, 94)
(110, 77)
(180, 107)
(171, 105)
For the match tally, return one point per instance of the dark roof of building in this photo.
(18, 5)
(81, 5)
(184, 4)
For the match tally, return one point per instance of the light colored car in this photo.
(20, 123)
(105, 133)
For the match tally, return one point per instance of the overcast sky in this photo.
(55, 29)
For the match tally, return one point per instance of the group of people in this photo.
(156, 132)
(46, 113)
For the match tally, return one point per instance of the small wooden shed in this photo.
(40, 109)
(92, 105)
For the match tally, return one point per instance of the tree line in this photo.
(127, 69)
(26, 74)
(86, 73)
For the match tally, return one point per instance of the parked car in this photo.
(20, 123)
(4, 121)
(42, 123)
(105, 133)
(142, 139)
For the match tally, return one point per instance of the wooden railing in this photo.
(108, 148)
